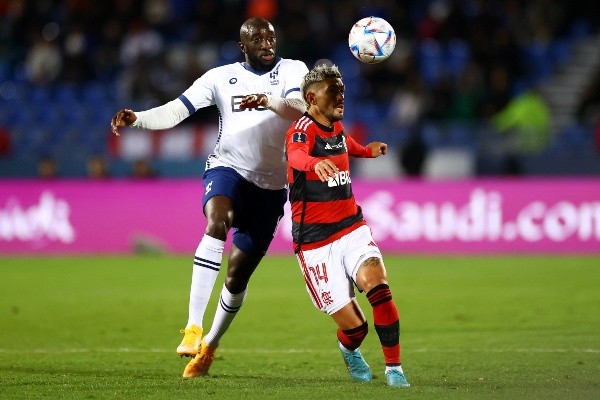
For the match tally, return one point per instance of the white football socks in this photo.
(207, 263)
(229, 305)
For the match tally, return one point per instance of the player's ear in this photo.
(242, 47)
(310, 98)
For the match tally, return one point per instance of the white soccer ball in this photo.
(372, 40)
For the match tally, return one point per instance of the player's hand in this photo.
(254, 101)
(377, 148)
(325, 169)
(124, 117)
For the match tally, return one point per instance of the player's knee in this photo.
(236, 284)
(370, 274)
(217, 228)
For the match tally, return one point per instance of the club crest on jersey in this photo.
(299, 137)
(273, 76)
(339, 179)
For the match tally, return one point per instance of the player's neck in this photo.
(321, 119)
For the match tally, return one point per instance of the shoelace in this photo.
(189, 337)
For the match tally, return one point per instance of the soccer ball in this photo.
(372, 40)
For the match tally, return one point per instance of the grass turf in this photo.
(472, 328)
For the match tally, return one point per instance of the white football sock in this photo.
(207, 263)
(229, 305)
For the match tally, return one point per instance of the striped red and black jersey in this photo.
(321, 211)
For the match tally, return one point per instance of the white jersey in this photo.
(250, 141)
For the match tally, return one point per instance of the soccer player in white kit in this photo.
(245, 177)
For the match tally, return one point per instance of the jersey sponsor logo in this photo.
(208, 187)
(299, 137)
(337, 146)
(233, 81)
(235, 105)
(340, 145)
(339, 179)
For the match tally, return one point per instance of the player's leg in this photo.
(352, 330)
(254, 230)
(240, 268)
(220, 188)
(371, 278)
(332, 292)
(253, 233)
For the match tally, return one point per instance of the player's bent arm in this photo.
(356, 149)
(299, 159)
(372, 150)
(287, 108)
(163, 117)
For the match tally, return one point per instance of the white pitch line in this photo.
(290, 351)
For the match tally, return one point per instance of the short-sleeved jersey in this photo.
(322, 211)
(250, 141)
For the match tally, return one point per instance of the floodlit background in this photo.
(474, 88)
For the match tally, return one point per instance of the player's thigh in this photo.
(360, 246)
(327, 284)
(223, 181)
(256, 224)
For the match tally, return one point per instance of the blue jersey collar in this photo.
(257, 72)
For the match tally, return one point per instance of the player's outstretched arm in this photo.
(162, 117)
(372, 150)
(124, 117)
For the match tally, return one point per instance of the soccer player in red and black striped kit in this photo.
(332, 242)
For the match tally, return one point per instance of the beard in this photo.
(336, 116)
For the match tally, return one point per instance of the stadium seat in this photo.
(560, 52)
(430, 60)
(457, 57)
(40, 95)
(93, 93)
(537, 60)
(579, 29)
(459, 135)
(431, 135)
(576, 137)
(65, 93)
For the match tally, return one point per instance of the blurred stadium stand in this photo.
(66, 67)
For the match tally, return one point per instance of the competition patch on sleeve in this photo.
(299, 137)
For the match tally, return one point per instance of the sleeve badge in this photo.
(299, 137)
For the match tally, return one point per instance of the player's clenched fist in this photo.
(378, 148)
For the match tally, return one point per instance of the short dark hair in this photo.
(318, 74)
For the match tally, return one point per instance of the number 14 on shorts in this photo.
(319, 272)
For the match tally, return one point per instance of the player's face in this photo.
(258, 43)
(329, 97)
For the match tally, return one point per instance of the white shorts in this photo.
(330, 271)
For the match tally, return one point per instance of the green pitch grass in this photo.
(472, 328)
